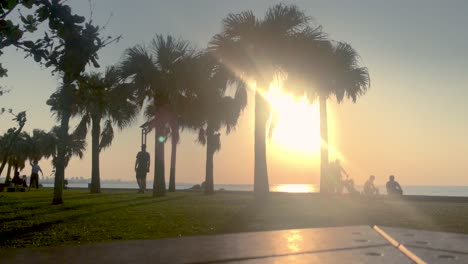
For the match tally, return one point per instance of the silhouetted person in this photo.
(24, 182)
(16, 179)
(369, 187)
(349, 185)
(335, 171)
(35, 169)
(142, 165)
(393, 187)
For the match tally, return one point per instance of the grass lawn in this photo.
(29, 219)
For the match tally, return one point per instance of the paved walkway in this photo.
(354, 244)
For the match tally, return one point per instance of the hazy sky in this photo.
(411, 123)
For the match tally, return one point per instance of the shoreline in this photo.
(410, 197)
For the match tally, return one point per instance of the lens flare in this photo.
(296, 125)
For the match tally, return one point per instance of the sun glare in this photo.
(294, 188)
(297, 127)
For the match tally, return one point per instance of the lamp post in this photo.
(144, 132)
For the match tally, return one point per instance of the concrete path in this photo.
(354, 244)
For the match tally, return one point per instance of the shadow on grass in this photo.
(6, 236)
(26, 205)
(54, 209)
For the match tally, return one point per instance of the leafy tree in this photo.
(251, 48)
(68, 46)
(219, 101)
(159, 74)
(73, 44)
(12, 32)
(103, 100)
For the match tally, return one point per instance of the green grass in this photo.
(29, 219)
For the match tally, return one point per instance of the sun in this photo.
(297, 128)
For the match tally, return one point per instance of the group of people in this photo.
(393, 187)
(18, 181)
(338, 184)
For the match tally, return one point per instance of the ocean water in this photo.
(292, 188)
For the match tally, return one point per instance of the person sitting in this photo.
(335, 172)
(24, 182)
(369, 187)
(349, 185)
(393, 187)
(16, 179)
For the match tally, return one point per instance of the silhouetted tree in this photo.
(103, 100)
(73, 45)
(323, 68)
(20, 118)
(14, 28)
(251, 47)
(17, 153)
(50, 144)
(219, 100)
(158, 73)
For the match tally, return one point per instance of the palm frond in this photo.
(240, 24)
(107, 135)
(81, 129)
(216, 142)
(285, 19)
(201, 136)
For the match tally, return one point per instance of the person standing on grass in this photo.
(35, 169)
(393, 187)
(142, 165)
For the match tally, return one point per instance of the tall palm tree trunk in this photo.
(209, 181)
(62, 142)
(261, 186)
(324, 180)
(8, 177)
(95, 174)
(172, 185)
(159, 183)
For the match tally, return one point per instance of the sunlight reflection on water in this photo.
(294, 188)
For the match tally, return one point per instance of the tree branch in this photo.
(8, 12)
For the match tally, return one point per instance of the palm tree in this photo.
(220, 98)
(159, 74)
(18, 152)
(252, 48)
(103, 99)
(37, 142)
(348, 79)
(75, 145)
(20, 118)
(4, 141)
(174, 126)
(322, 69)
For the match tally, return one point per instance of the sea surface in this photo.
(291, 188)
